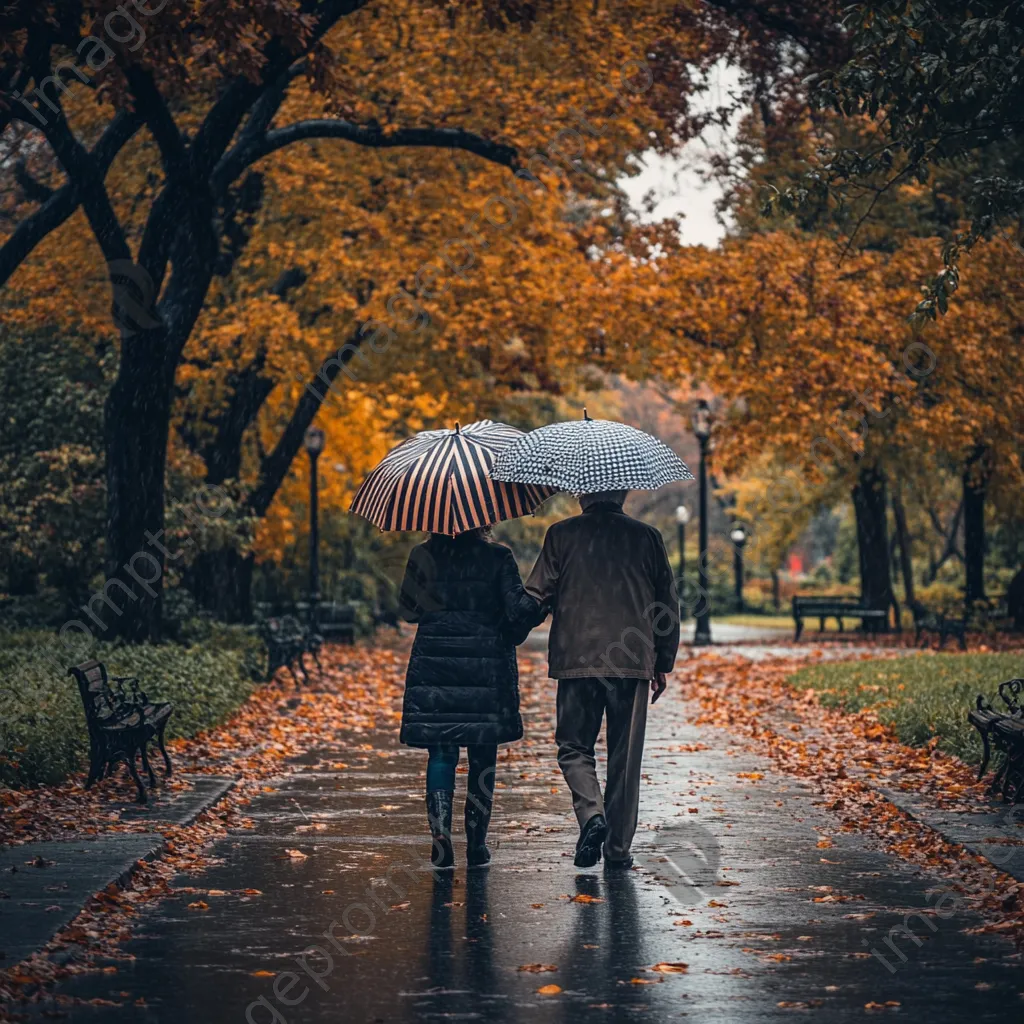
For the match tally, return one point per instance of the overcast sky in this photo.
(676, 184)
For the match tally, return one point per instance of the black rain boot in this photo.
(478, 817)
(439, 814)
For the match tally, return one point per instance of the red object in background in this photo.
(796, 565)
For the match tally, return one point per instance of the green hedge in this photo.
(921, 696)
(42, 726)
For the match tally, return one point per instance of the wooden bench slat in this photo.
(836, 608)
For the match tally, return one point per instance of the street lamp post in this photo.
(682, 518)
(314, 446)
(739, 538)
(702, 422)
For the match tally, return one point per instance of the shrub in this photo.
(42, 724)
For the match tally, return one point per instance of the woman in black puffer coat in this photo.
(462, 684)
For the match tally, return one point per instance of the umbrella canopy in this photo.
(586, 456)
(440, 481)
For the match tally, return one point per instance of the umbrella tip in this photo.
(457, 427)
(585, 416)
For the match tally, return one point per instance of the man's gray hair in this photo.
(587, 500)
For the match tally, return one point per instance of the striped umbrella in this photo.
(440, 481)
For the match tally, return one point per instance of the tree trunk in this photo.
(949, 548)
(776, 599)
(873, 544)
(899, 514)
(221, 582)
(974, 528)
(136, 424)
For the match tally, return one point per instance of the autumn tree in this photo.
(940, 83)
(817, 368)
(202, 95)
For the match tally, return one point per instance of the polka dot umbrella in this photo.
(587, 456)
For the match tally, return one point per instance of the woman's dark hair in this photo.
(481, 533)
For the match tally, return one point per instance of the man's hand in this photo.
(658, 684)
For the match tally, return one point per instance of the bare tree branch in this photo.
(63, 203)
(80, 167)
(364, 135)
(224, 118)
(153, 108)
(35, 191)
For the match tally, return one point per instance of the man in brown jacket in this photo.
(614, 631)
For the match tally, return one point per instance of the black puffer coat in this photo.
(462, 684)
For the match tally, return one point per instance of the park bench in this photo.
(336, 622)
(1003, 730)
(996, 613)
(121, 722)
(837, 608)
(288, 642)
(928, 621)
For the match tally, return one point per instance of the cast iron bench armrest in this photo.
(133, 683)
(1009, 692)
(1006, 731)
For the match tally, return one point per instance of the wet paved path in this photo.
(423, 948)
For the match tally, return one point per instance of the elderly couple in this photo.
(606, 580)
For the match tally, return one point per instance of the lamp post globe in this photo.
(701, 421)
(314, 440)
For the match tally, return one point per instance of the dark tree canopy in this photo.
(939, 86)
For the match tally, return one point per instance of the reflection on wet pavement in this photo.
(352, 926)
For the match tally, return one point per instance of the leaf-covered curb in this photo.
(925, 699)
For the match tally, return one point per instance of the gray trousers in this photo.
(582, 703)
